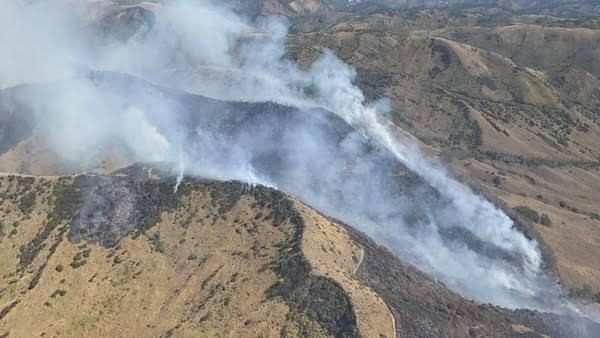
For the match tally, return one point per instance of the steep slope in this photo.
(530, 45)
(442, 89)
(521, 128)
(123, 254)
(317, 156)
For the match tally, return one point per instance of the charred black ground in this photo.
(266, 132)
(422, 306)
(105, 209)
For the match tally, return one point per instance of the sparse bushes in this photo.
(58, 292)
(300, 325)
(66, 204)
(118, 260)
(564, 205)
(59, 268)
(533, 216)
(157, 243)
(374, 82)
(78, 264)
(79, 260)
(227, 298)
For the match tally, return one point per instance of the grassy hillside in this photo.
(116, 256)
(124, 255)
(509, 101)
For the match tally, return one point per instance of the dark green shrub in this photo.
(545, 220)
(528, 213)
(156, 243)
(58, 292)
(78, 264)
(27, 202)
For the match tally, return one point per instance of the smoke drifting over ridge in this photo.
(349, 165)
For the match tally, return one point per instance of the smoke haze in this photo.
(317, 140)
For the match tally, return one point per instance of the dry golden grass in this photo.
(331, 253)
(199, 272)
(204, 279)
(574, 236)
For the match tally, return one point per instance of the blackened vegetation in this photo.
(224, 196)
(27, 202)
(462, 237)
(115, 206)
(423, 307)
(99, 208)
(315, 298)
(104, 209)
(319, 298)
(237, 122)
(554, 325)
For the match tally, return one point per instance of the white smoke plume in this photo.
(204, 48)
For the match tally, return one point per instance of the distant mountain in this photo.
(302, 7)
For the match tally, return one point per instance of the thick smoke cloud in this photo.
(430, 220)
